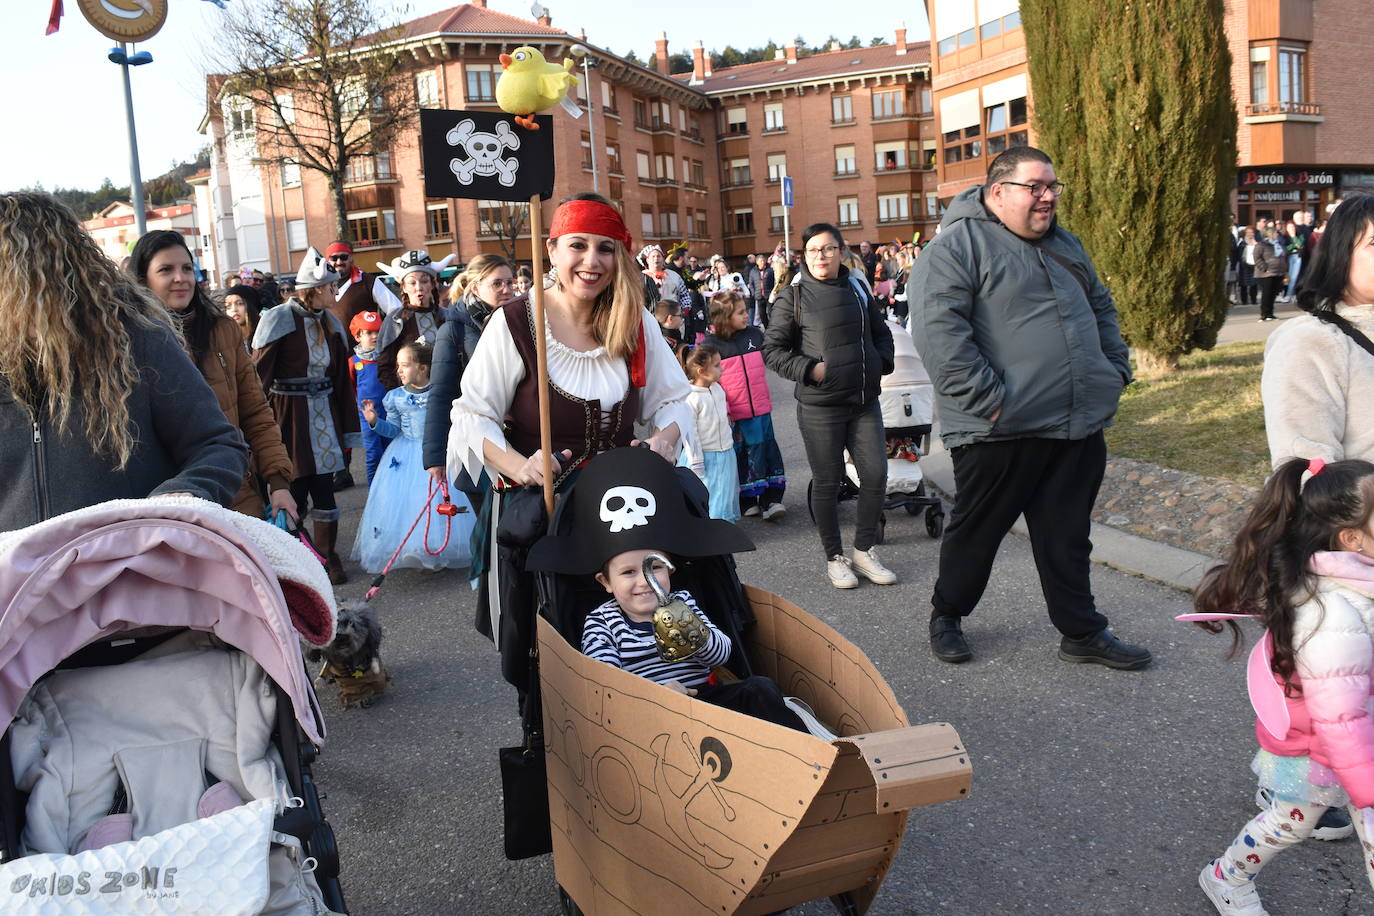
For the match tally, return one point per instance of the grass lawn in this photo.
(1205, 418)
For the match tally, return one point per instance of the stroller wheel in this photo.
(935, 522)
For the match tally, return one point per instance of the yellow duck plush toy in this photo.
(530, 84)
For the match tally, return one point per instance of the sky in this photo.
(67, 99)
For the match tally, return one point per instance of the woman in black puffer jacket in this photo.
(828, 335)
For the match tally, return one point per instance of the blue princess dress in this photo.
(399, 490)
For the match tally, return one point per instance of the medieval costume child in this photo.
(416, 314)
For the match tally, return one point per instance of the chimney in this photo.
(546, 19)
(706, 60)
(480, 4)
(901, 38)
(791, 52)
(661, 53)
(779, 55)
(698, 65)
(834, 44)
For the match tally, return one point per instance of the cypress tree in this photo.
(1132, 99)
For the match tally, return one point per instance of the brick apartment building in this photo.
(1298, 76)
(693, 157)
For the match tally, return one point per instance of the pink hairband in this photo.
(1314, 467)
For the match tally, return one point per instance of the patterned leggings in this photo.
(1283, 825)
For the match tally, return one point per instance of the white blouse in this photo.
(490, 380)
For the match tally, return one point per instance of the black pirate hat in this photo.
(631, 499)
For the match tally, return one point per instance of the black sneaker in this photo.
(1334, 824)
(1104, 649)
(947, 640)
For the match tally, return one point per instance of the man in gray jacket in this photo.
(1021, 340)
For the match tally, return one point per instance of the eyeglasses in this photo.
(1037, 189)
(829, 251)
(500, 283)
(340, 257)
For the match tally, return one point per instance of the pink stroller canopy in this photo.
(174, 562)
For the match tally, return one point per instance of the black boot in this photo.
(947, 640)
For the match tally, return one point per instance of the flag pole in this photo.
(541, 354)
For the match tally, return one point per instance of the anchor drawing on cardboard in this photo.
(485, 155)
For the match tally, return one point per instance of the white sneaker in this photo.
(774, 511)
(752, 511)
(867, 562)
(1227, 898)
(841, 576)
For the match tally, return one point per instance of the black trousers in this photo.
(755, 696)
(1054, 482)
(1269, 291)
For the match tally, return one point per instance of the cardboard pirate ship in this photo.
(663, 804)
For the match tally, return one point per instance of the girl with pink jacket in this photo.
(1303, 563)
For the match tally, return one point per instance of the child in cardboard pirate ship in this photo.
(633, 516)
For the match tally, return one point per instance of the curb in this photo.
(1121, 550)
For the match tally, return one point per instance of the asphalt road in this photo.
(1094, 791)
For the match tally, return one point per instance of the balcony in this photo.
(843, 122)
(776, 129)
(693, 135)
(659, 125)
(610, 112)
(733, 131)
(1308, 112)
(652, 182)
(846, 173)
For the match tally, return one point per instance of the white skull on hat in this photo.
(624, 508)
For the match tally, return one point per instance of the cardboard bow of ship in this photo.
(663, 804)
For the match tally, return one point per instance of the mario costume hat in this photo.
(631, 499)
(411, 261)
(365, 321)
(315, 271)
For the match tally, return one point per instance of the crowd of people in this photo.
(134, 380)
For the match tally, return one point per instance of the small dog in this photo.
(353, 660)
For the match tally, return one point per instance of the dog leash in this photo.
(445, 508)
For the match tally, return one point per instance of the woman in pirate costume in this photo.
(302, 359)
(416, 314)
(609, 368)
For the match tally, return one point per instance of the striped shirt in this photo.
(611, 637)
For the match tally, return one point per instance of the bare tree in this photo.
(326, 82)
(506, 221)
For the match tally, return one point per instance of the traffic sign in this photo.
(786, 191)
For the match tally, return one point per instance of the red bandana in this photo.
(591, 218)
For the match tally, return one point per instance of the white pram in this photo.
(907, 399)
(159, 722)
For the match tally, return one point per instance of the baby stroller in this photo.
(660, 803)
(160, 724)
(907, 400)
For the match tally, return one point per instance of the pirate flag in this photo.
(485, 155)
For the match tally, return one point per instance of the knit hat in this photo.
(631, 499)
(246, 293)
(315, 271)
(365, 321)
(413, 260)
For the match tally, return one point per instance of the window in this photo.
(742, 221)
(290, 174)
(698, 173)
(736, 121)
(927, 160)
(849, 211)
(893, 208)
(841, 109)
(502, 219)
(772, 116)
(613, 154)
(694, 129)
(586, 151)
(608, 98)
(932, 205)
(373, 227)
(426, 89)
(641, 113)
(481, 86)
(642, 166)
(663, 115)
(363, 168)
(777, 166)
(889, 104)
(663, 166)
(990, 29)
(1259, 80)
(682, 119)
(668, 225)
(646, 222)
(1290, 77)
(1002, 119)
(699, 224)
(686, 171)
(437, 221)
(239, 119)
(925, 102)
(286, 105)
(775, 218)
(737, 172)
(295, 235)
(890, 156)
(844, 160)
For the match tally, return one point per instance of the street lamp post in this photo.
(120, 55)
